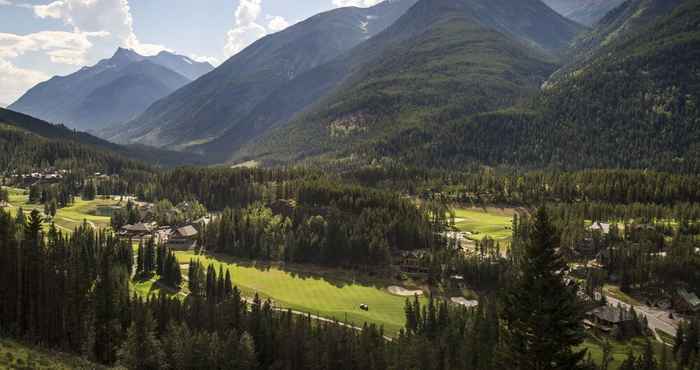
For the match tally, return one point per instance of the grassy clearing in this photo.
(319, 295)
(14, 355)
(615, 292)
(493, 222)
(68, 218)
(150, 286)
(620, 350)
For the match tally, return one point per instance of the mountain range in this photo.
(110, 92)
(447, 83)
(226, 97)
(442, 58)
(254, 92)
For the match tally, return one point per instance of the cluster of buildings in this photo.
(175, 237)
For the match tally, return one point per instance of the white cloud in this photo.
(247, 30)
(277, 23)
(113, 16)
(357, 3)
(15, 81)
(211, 60)
(5, 2)
(61, 47)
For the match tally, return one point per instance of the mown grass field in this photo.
(620, 350)
(325, 297)
(68, 218)
(493, 222)
(14, 355)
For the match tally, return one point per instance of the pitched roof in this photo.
(611, 314)
(139, 227)
(186, 231)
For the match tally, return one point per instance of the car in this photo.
(364, 307)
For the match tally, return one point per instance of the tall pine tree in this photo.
(543, 321)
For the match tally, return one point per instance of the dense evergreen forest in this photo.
(28, 144)
(49, 277)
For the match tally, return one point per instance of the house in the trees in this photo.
(410, 261)
(587, 247)
(183, 238)
(162, 234)
(686, 302)
(608, 318)
(139, 230)
(600, 227)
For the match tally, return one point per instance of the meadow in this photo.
(68, 218)
(15, 355)
(620, 350)
(481, 222)
(328, 297)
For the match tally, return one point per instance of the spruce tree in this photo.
(142, 349)
(543, 321)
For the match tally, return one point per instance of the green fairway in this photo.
(14, 355)
(317, 295)
(620, 351)
(68, 218)
(492, 222)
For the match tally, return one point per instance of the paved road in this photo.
(658, 319)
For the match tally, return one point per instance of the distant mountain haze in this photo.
(110, 92)
(586, 12)
(224, 98)
(255, 91)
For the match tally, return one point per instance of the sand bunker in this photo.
(397, 290)
(464, 302)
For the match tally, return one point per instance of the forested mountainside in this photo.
(623, 22)
(440, 61)
(110, 92)
(224, 98)
(27, 143)
(587, 12)
(450, 29)
(634, 105)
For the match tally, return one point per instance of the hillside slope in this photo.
(28, 142)
(113, 91)
(587, 12)
(15, 355)
(443, 59)
(635, 104)
(222, 99)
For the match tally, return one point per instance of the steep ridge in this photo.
(622, 23)
(219, 100)
(442, 58)
(587, 12)
(634, 104)
(112, 91)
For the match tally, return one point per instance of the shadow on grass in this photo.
(337, 277)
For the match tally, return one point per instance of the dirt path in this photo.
(315, 317)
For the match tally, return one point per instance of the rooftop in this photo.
(611, 314)
(186, 231)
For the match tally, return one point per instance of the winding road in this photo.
(658, 319)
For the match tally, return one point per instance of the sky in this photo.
(43, 38)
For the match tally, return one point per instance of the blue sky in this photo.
(42, 38)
